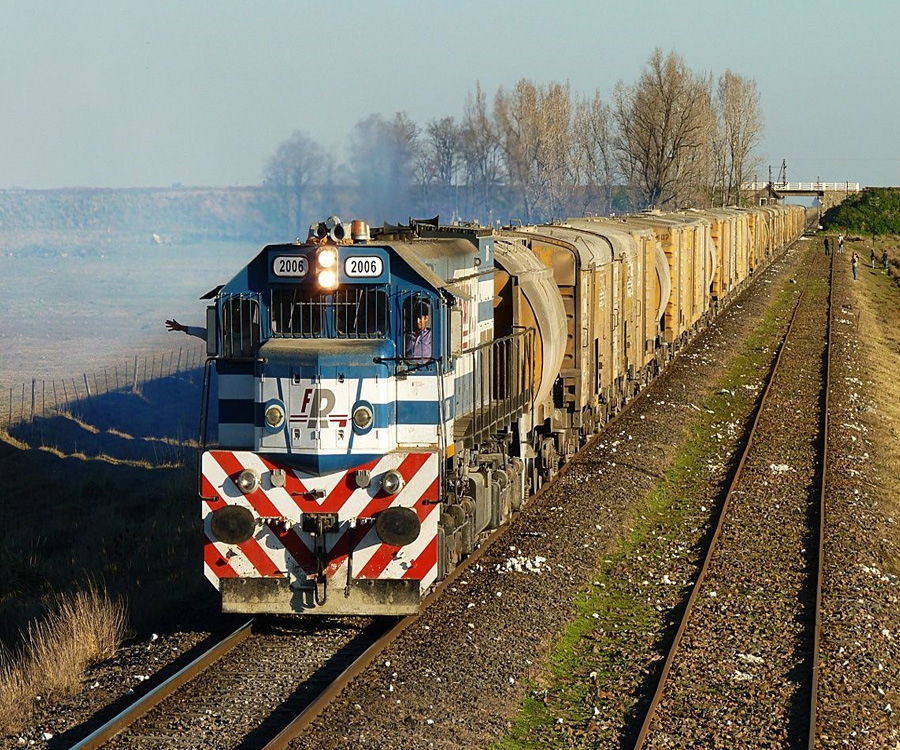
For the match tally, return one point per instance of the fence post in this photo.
(134, 374)
(87, 387)
(55, 399)
(33, 397)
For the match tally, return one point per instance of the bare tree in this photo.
(740, 128)
(442, 147)
(698, 161)
(555, 147)
(663, 126)
(481, 156)
(438, 163)
(534, 127)
(516, 116)
(593, 165)
(288, 173)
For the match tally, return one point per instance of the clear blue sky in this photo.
(117, 93)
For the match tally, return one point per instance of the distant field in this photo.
(72, 309)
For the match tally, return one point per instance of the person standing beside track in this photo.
(884, 259)
(827, 248)
(854, 262)
(841, 244)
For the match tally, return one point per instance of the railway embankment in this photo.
(859, 687)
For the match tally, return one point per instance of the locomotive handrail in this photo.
(204, 416)
(500, 389)
(415, 363)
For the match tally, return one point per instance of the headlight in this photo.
(327, 279)
(392, 482)
(248, 481)
(275, 416)
(363, 417)
(327, 257)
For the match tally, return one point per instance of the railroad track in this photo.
(743, 664)
(193, 702)
(243, 690)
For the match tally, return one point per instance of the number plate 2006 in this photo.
(363, 266)
(290, 265)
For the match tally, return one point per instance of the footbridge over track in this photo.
(829, 193)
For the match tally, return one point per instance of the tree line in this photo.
(672, 139)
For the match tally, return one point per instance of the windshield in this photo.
(352, 312)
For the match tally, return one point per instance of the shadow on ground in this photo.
(109, 494)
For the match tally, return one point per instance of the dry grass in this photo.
(875, 299)
(81, 629)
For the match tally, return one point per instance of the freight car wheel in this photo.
(588, 424)
(549, 459)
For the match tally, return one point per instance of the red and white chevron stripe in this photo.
(280, 548)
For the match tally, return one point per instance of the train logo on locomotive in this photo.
(316, 407)
(377, 401)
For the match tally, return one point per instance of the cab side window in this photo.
(240, 326)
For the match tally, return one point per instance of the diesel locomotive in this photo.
(377, 400)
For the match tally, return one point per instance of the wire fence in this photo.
(45, 398)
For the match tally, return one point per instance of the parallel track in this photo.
(651, 718)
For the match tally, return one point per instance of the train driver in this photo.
(418, 339)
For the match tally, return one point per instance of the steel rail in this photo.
(688, 610)
(814, 691)
(142, 706)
